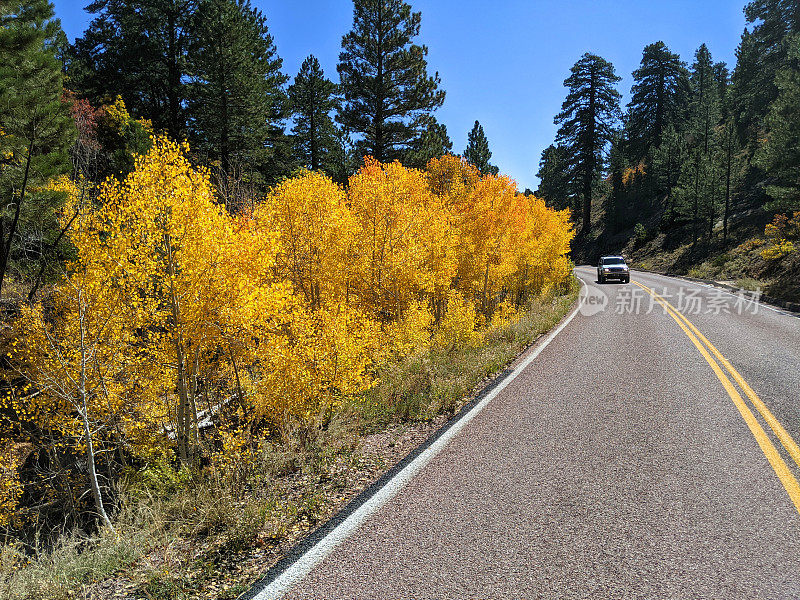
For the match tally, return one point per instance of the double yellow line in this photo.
(707, 349)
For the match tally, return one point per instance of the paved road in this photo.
(616, 465)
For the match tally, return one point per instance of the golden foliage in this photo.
(413, 331)
(404, 239)
(780, 234)
(291, 308)
(452, 178)
(318, 233)
(632, 174)
(458, 327)
(120, 119)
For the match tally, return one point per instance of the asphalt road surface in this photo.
(618, 464)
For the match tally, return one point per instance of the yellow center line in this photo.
(783, 435)
(778, 465)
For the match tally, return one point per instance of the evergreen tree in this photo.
(555, 187)
(761, 54)
(698, 177)
(616, 213)
(668, 161)
(477, 152)
(342, 160)
(36, 130)
(433, 143)
(587, 121)
(704, 107)
(730, 166)
(658, 98)
(137, 50)
(722, 79)
(779, 153)
(236, 99)
(746, 81)
(384, 80)
(312, 99)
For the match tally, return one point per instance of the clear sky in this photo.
(504, 62)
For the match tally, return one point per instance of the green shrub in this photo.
(640, 234)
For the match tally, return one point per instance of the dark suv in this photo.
(613, 267)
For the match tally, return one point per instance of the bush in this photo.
(780, 234)
(640, 234)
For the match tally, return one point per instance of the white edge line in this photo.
(303, 565)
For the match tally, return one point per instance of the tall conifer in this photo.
(388, 94)
(36, 130)
(587, 120)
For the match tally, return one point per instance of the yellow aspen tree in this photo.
(452, 178)
(329, 344)
(405, 246)
(179, 259)
(80, 356)
(317, 236)
(325, 356)
(487, 222)
(541, 252)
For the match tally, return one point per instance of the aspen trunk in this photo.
(87, 429)
(186, 409)
(484, 294)
(239, 393)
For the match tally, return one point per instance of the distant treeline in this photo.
(693, 142)
(206, 72)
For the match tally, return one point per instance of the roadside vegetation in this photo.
(759, 263)
(699, 172)
(211, 532)
(193, 379)
(224, 311)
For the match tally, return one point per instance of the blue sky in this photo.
(504, 62)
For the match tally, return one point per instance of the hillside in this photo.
(740, 262)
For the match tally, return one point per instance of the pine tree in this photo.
(779, 153)
(730, 166)
(704, 107)
(616, 213)
(668, 160)
(477, 152)
(36, 130)
(137, 50)
(384, 80)
(587, 120)
(745, 81)
(236, 97)
(762, 52)
(432, 143)
(555, 186)
(704, 115)
(312, 99)
(722, 79)
(659, 95)
(342, 161)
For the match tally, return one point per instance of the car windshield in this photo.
(614, 260)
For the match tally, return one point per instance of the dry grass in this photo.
(436, 381)
(748, 283)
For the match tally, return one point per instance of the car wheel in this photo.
(600, 279)
(627, 279)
